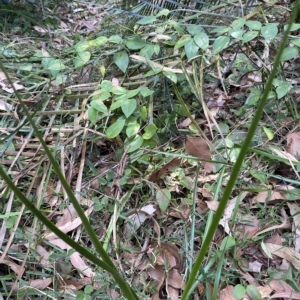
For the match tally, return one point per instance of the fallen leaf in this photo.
(293, 143)
(175, 162)
(198, 147)
(175, 279)
(294, 211)
(255, 266)
(229, 210)
(69, 226)
(226, 294)
(137, 219)
(40, 284)
(285, 252)
(266, 196)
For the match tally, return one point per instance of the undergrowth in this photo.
(144, 121)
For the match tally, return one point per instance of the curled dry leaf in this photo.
(175, 162)
(198, 147)
(69, 226)
(17, 269)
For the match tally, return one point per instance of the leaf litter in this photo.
(153, 224)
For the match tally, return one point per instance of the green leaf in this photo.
(135, 144)
(118, 90)
(121, 59)
(26, 67)
(238, 292)
(282, 89)
(221, 29)
(238, 23)
(269, 32)
(81, 46)
(101, 95)
(295, 42)
(146, 20)
(194, 29)
(163, 198)
(249, 36)
(152, 143)
(227, 243)
(145, 92)
(202, 40)
(132, 93)
(128, 107)
(101, 40)
(293, 28)
(152, 72)
(254, 25)
(93, 115)
(269, 133)
(182, 41)
(289, 53)
(150, 130)
(144, 113)
(147, 51)
(237, 33)
(259, 176)
(135, 43)
(114, 129)
(220, 44)
(223, 127)
(132, 129)
(106, 85)
(163, 12)
(99, 106)
(191, 49)
(55, 67)
(172, 76)
(81, 59)
(253, 292)
(115, 39)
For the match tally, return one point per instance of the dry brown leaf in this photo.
(175, 279)
(173, 293)
(75, 258)
(229, 210)
(79, 264)
(69, 226)
(226, 294)
(198, 147)
(285, 252)
(213, 205)
(40, 284)
(15, 267)
(280, 286)
(293, 143)
(295, 213)
(266, 196)
(265, 291)
(274, 239)
(138, 219)
(182, 212)
(286, 295)
(175, 162)
(68, 214)
(285, 224)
